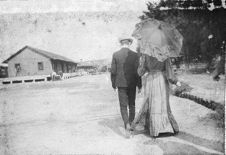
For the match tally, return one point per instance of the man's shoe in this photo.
(128, 127)
(127, 130)
(127, 134)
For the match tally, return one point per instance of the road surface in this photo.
(81, 116)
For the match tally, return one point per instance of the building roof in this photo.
(49, 55)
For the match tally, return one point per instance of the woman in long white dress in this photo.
(155, 113)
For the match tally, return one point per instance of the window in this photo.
(17, 67)
(40, 66)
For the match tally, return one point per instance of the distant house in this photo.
(94, 64)
(32, 61)
(86, 67)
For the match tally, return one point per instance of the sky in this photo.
(15, 6)
(78, 29)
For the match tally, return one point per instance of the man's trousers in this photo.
(127, 96)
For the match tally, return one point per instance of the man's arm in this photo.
(113, 72)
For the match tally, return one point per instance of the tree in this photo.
(196, 21)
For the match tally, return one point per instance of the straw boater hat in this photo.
(125, 37)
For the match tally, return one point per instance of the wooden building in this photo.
(32, 61)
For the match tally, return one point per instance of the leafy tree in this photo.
(196, 21)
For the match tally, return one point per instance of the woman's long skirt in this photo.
(155, 113)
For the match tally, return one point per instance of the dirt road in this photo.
(81, 116)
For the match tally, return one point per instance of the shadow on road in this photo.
(172, 147)
(211, 144)
(169, 147)
(176, 148)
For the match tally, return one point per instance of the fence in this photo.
(25, 79)
(37, 78)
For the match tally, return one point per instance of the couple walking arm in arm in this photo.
(155, 113)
